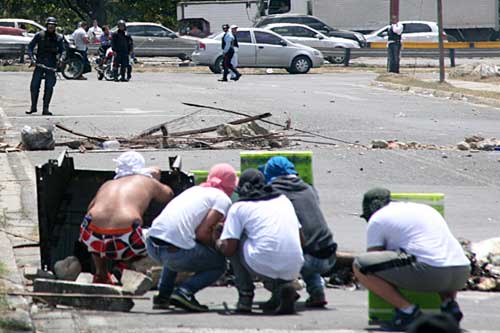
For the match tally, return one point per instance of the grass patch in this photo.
(3, 301)
(15, 68)
(434, 85)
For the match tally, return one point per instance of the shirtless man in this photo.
(111, 230)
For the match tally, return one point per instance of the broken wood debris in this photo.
(241, 133)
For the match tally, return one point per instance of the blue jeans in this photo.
(207, 264)
(312, 269)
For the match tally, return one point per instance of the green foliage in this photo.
(70, 12)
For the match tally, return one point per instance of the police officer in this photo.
(394, 45)
(228, 52)
(122, 45)
(50, 52)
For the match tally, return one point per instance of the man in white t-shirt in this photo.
(262, 238)
(181, 239)
(95, 33)
(81, 40)
(410, 246)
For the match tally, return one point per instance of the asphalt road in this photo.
(344, 105)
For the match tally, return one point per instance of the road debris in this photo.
(485, 260)
(68, 268)
(37, 138)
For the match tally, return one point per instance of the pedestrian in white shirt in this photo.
(262, 239)
(81, 40)
(181, 239)
(410, 246)
(394, 45)
(95, 33)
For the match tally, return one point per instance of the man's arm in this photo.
(228, 39)
(204, 230)
(61, 49)
(163, 193)
(32, 44)
(227, 247)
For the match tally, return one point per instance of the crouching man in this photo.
(111, 230)
(181, 239)
(261, 236)
(319, 247)
(410, 246)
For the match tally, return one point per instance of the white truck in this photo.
(243, 13)
(465, 19)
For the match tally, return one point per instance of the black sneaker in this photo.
(31, 111)
(186, 301)
(245, 303)
(160, 302)
(401, 320)
(453, 310)
(287, 300)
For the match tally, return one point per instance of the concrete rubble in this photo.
(485, 268)
(69, 287)
(32, 273)
(68, 268)
(135, 283)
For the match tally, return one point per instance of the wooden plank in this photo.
(45, 294)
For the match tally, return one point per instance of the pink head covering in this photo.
(223, 177)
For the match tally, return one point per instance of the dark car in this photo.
(314, 23)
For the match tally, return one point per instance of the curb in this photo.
(17, 317)
(438, 93)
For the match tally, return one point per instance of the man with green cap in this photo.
(409, 246)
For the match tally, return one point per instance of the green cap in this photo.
(373, 200)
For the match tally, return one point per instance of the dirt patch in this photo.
(434, 86)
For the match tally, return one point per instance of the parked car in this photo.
(259, 48)
(313, 22)
(413, 31)
(31, 27)
(9, 35)
(302, 34)
(151, 39)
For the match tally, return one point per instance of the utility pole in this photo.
(441, 42)
(394, 10)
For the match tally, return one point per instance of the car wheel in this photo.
(300, 65)
(338, 60)
(217, 67)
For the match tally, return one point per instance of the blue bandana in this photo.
(277, 166)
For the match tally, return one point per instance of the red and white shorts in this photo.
(114, 244)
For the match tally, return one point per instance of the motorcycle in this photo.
(73, 64)
(104, 65)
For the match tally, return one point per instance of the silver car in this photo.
(302, 34)
(259, 48)
(151, 39)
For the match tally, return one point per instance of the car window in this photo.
(315, 24)
(383, 32)
(136, 30)
(303, 32)
(30, 28)
(155, 31)
(7, 24)
(243, 37)
(279, 6)
(289, 20)
(283, 31)
(416, 27)
(267, 38)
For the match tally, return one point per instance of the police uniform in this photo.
(228, 52)
(50, 49)
(122, 45)
(394, 47)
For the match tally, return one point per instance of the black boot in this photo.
(47, 96)
(122, 74)
(34, 101)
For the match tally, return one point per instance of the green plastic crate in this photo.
(301, 159)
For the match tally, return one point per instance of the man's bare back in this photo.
(120, 202)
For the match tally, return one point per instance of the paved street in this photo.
(347, 106)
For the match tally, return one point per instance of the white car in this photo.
(413, 31)
(259, 48)
(302, 34)
(31, 27)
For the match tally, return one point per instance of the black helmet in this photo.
(51, 20)
(121, 22)
(225, 27)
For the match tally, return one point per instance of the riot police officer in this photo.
(50, 51)
(122, 45)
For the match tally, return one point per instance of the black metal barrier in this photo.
(64, 194)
